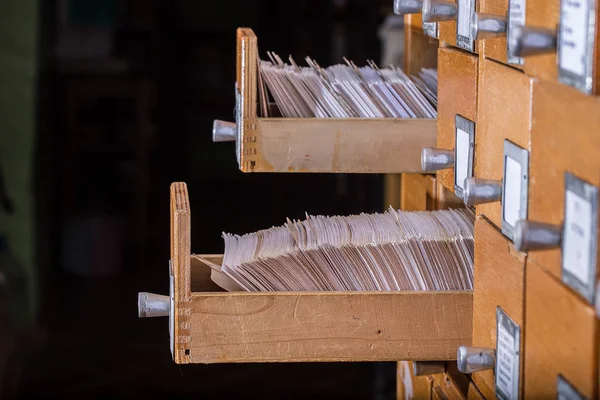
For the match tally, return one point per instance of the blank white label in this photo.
(464, 18)
(505, 362)
(577, 236)
(516, 18)
(573, 37)
(512, 188)
(462, 157)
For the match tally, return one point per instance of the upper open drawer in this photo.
(209, 325)
(352, 145)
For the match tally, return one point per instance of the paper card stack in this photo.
(392, 251)
(346, 91)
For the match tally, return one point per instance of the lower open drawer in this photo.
(213, 326)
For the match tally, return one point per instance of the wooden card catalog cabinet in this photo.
(503, 117)
(493, 23)
(561, 231)
(498, 303)
(535, 42)
(561, 342)
(457, 115)
(358, 145)
(560, 42)
(208, 325)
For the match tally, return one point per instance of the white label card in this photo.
(508, 344)
(465, 11)
(577, 236)
(462, 157)
(512, 191)
(516, 17)
(573, 36)
(506, 360)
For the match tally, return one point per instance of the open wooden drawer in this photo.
(317, 144)
(209, 325)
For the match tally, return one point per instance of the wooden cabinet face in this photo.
(499, 281)
(494, 48)
(561, 338)
(542, 14)
(504, 112)
(457, 95)
(565, 137)
(410, 386)
(418, 192)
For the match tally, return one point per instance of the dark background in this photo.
(113, 128)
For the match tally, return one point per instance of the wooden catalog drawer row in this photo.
(549, 39)
(448, 21)
(484, 114)
(353, 145)
(211, 326)
(561, 238)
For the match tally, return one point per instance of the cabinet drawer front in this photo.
(564, 138)
(504, 112)
(542, 14)
(499, 282)
(457, 95)
(561, 338)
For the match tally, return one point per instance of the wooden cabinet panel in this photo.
(474, 393)
(561, 338)
(494, 48)
(542, 14)
(504, 112)
(410, 386)
(447, 30)
(418, 192)
(499, 281)
(457, 94)
(565, 137)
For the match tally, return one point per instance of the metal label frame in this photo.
(465, 42)
(431, 29)
(510, 23)
(590, 193)
(172, 309)
(566, 391)
(521, 156)
(468, 126)
(238, 122)
(502, 319)
(583, 83)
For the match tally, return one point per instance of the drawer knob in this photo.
(474, 359)
(402, 7)
(421, 368)
(153, 305)
(530, 235)
(482, 191)
(528, 41)
(439, 10)
(433, 159)
(224, 131)
(487, 26)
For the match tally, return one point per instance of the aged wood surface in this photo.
(542, 14)
(499, 281)
(457, 94)
(336, 326)
(418, 192)
(564, 138)
(337, 145)
(504, 112)
(561, 338)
